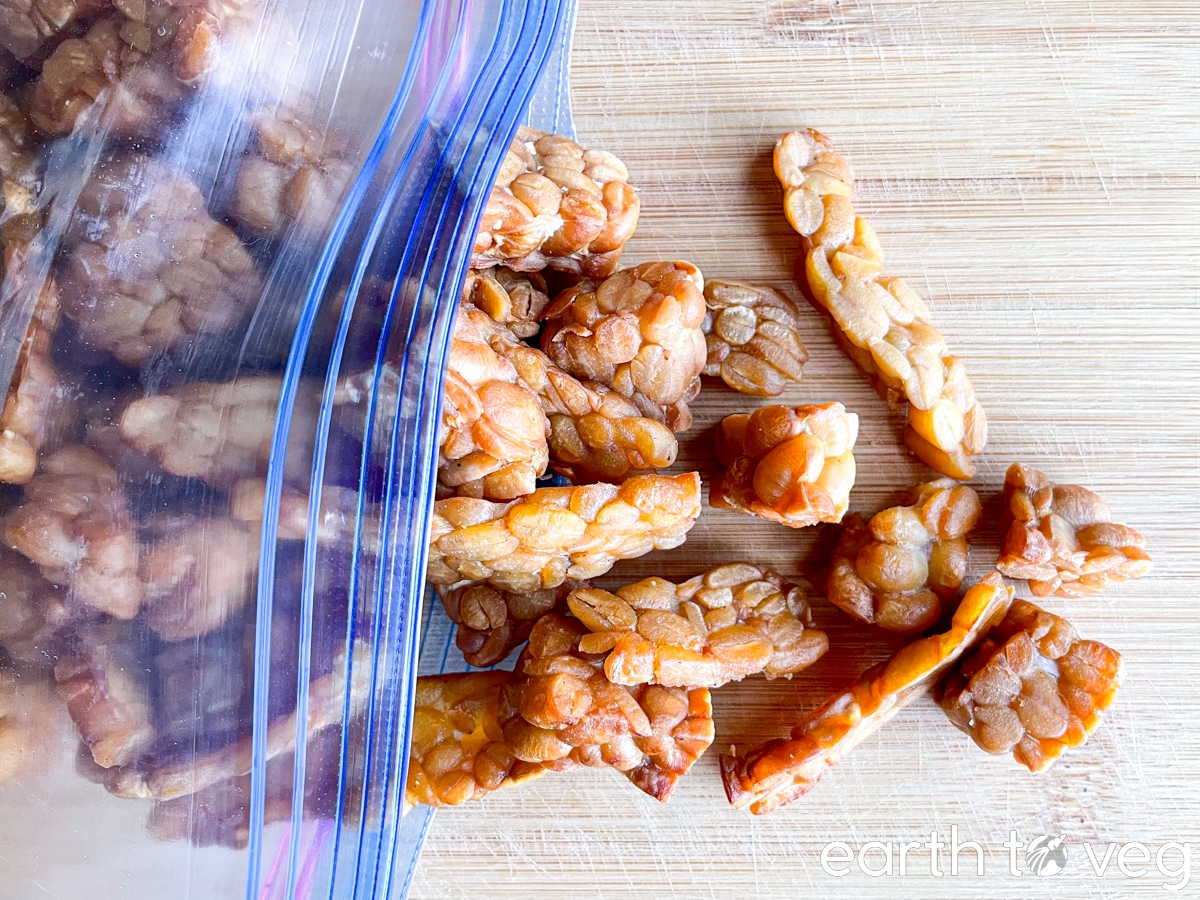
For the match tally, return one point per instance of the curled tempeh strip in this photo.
(777, 772)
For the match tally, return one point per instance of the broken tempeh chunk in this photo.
(566, 713)
(74, 522)
(107, 695)
(792, 465)
(459, 752)
(752, 338)
(596, 434)
(296, 173)
(1061, 537)
(29, 27)
(126, 64)
(221, 432)
(492, 622)
(896, 570)
(493, 433)
(516, 301)
(556, 204)
(1033, 688)
(148, 267)
(732, 621)
(34, 614)
(779, 771)
(34, 409)
(198, 573)
(638, 332)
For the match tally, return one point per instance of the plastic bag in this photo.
(234, 236)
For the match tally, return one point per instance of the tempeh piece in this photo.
(1033, 688)
(882, 322)
(20, 175)
(74, 522)
(37, 402)
(566, 712)
(732, 621)
(335, 523)
(34, 614)
(27, 722)
(556, 204)
(125, 63)
(148, 267)
(516, 301)
(1061, 537)
(896, 570)
(493, 440)
(752, 337)
(596, 434)
(637, 332)
(326, 696)
(492, 622)
(107, 695)
(29, 27)
(792, 465)
(555, 534)
(772, 775)
(198, 573)
(221, 432)
(296, 173)
(459, 752)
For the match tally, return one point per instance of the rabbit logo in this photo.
(1046, 855)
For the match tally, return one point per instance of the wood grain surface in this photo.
(1032, 167)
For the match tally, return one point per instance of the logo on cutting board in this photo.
(1046, 855)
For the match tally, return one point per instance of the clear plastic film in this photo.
(234, 235)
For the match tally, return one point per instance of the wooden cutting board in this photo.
(1032, 168)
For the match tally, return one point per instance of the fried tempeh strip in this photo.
(732, 621)
(556, 204)
(1061, 537)
(326, 696)
(596, 434)
(896, 570)
(198, 573)
(637, 332)
(792, 465)
(220, 432)
(1033, 688)
(107, 695)
(752, 337)
(883, 324)
(565, 712)
(74, 522)
(779, 771)
(555, 534)
(492, 622)
(493, 441)
(458, 749)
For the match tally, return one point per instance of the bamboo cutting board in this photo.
(1031, 167)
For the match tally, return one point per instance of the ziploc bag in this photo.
(234, 235)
